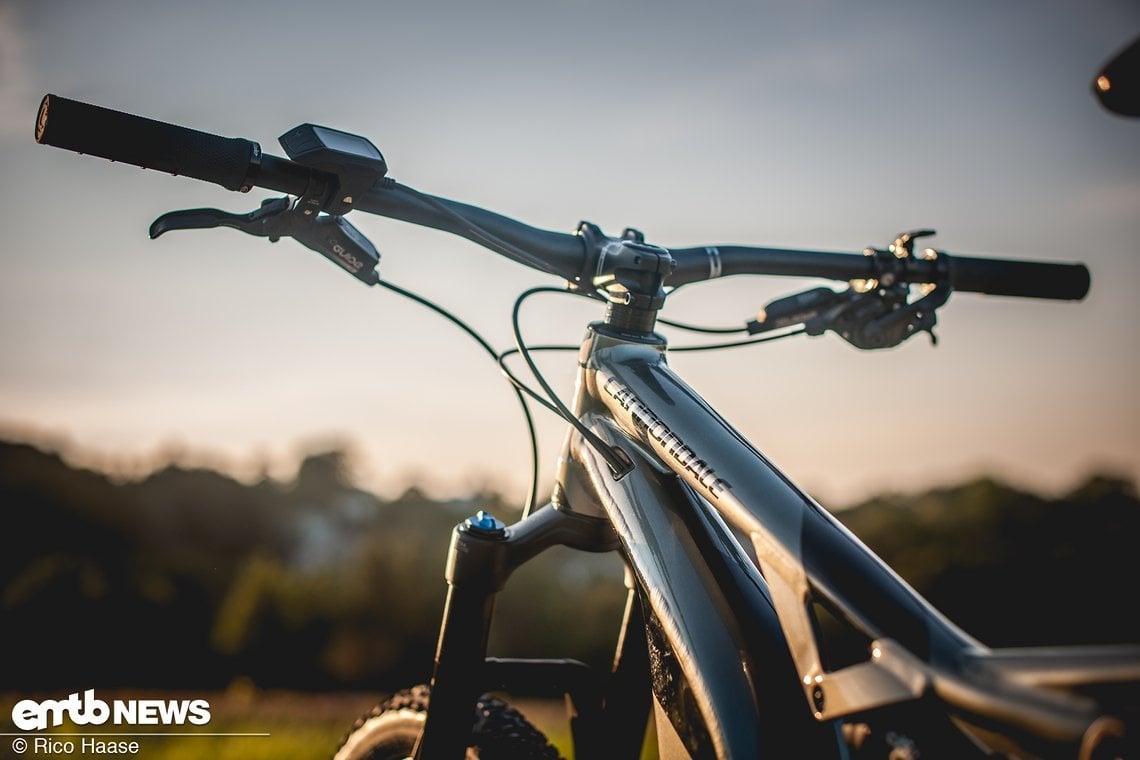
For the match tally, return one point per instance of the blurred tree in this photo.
(1012, 568)
(188, 578)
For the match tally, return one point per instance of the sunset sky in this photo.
(821, 124)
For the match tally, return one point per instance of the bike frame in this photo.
(725, 557)
(727, 561)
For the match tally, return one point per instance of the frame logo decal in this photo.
(655, 429)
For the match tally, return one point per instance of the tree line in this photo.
(188, 578)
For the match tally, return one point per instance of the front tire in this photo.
(389, 731)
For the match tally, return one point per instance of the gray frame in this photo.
(702, 490)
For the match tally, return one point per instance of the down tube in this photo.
(721, 674)
(631, 385)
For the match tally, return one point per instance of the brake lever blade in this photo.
(253, 223)
(188, 219)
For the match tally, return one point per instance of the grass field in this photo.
(279, 726)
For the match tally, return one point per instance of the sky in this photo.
(820, 125)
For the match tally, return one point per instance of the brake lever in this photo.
(879, 318)
(873, 322)
(333, 237)
(260, 222)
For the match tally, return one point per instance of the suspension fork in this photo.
(482, 556)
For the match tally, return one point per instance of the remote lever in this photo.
(333, 237)
(796, 309)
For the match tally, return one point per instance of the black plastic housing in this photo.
(353, 160)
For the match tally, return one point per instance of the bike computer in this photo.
(354, 160)
(315, 145)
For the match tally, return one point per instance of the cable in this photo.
(617, 459)
(537, 349)
(532, 493)
(519, 384)
(698, 329)
(738, 343)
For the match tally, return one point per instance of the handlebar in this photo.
(239, 164)
(999, 277)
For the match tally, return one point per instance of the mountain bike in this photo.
(741, 589)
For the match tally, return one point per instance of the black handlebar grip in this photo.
(1028, 279)
(84, 128)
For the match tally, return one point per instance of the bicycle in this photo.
(730, 568)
